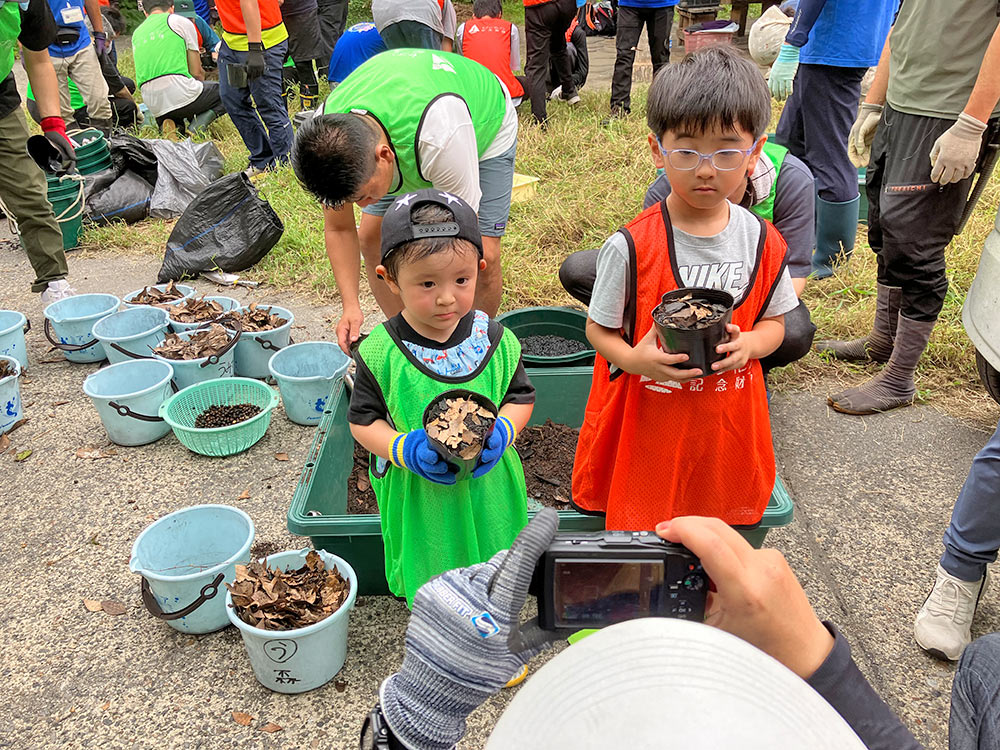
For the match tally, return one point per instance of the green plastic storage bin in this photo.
(322, 488)
(567, 322)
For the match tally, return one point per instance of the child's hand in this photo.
(649, 360)
(411, 451)
(496, 444)
(737, 348)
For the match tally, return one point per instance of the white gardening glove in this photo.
(859, 142)
(955, 152)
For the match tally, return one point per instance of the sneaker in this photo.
(253, 171)
(56, 291)
(556, 93)
(518, 678)
(575, 99)
(943, 625)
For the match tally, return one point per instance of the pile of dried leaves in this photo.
(202, 343)
(195, 310)
(460, 424)
(260, 319)
(150, 295)
(689, 313)
(279, 600)
(6, 369)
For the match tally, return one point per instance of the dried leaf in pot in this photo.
(202, 343)
(6, 369)
(195, 310)
(150, 295)
(461, 424)
(688, 313)
(260, 319)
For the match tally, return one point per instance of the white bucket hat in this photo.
(665, 684)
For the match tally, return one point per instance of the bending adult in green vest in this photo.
(22, 184)
(781, 190)
(404, 120)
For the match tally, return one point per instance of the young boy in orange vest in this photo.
(659, 440)
(494, 42)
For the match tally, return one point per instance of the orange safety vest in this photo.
(487, 41)
(231, 17)
(650, 451)
(572, 27)
(529, 3)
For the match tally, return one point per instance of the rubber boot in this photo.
(877, 345)
(894, 385)
(105, 126)
(202, 121)
(836, 230)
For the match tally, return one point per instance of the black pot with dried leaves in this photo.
(292, 610)
(692, 321)
(457, 424)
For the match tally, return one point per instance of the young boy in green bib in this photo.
(431, 257)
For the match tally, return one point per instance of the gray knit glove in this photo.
(463, 642)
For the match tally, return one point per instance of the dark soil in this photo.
(260, 550)
(360, 495)
(547, 452)
(551, 346)
(219, 415)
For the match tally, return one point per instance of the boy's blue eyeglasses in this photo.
(686, 159)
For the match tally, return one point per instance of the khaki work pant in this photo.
(23, 190)
(85, 70)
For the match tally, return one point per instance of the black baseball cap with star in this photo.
(398, 227)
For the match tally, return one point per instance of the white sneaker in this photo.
(943, 625)
(253, 171)
(556, 93)
(56, 291)
(575, 99)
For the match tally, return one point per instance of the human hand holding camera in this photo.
(756, 597)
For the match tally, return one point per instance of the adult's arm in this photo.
(805, 17)
(582, 68)
(186, 29)
(986, 91)
(251, 18)
(113, 78)
(194, 65)
(449, 20)
(93, 8)
(38, 31)
(515, 48)
(340, 234)
(458, 39)
(880, 83)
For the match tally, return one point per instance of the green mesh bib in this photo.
(429, 528)
(776, 153)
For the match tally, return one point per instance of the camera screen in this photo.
(596, 593)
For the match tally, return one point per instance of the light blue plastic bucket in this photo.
(132, 333)
(186, 290)
(256, 347)
(69, 325)
(306, 374)
(190, 371)
(127, 397)
(185, 557)
(294, 661)
(10, 396)
(13, 326)
(228, 303)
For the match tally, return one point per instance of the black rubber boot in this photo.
(877, 345)
(893, 387)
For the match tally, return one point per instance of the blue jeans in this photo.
(975, 697)
(973, 536)
(272, 144)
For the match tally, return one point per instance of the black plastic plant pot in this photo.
(698, 343)
(462, 466)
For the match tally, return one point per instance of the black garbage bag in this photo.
(135, 154)
(227, 227)
(126, 199)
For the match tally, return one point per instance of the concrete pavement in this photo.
(873, 496)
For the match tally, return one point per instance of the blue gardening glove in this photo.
(499, 440)
(411, 451)
(101, 42)
(463, 642)
(783, 72)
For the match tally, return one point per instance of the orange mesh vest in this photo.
(231, 17)
(650, 451)
(487, 41)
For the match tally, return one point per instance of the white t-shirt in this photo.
(723, 261)
(165, 94)
(428, 12)
(449, 156)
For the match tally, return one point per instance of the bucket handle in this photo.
(27, 325)
(124, 411)
(126, 352)
(62, 346)
(264, 344)
(208, 591)
(237, 327)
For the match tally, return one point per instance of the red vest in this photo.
(487, 41)
(651, 451)
(231, 17)
(529, 3)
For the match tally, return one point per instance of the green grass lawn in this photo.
(592, 180)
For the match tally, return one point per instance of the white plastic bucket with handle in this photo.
(13, 326)
(10, 396)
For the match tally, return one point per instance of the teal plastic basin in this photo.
(561, 396)
(567, 322)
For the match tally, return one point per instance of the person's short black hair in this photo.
(334, 156)
(113, 17)
(487, 8)
(148, 6)
(429, 213)
(714, 88)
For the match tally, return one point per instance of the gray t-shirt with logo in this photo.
(723, 261)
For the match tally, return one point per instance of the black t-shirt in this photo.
(38, 31)
(367, 403)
